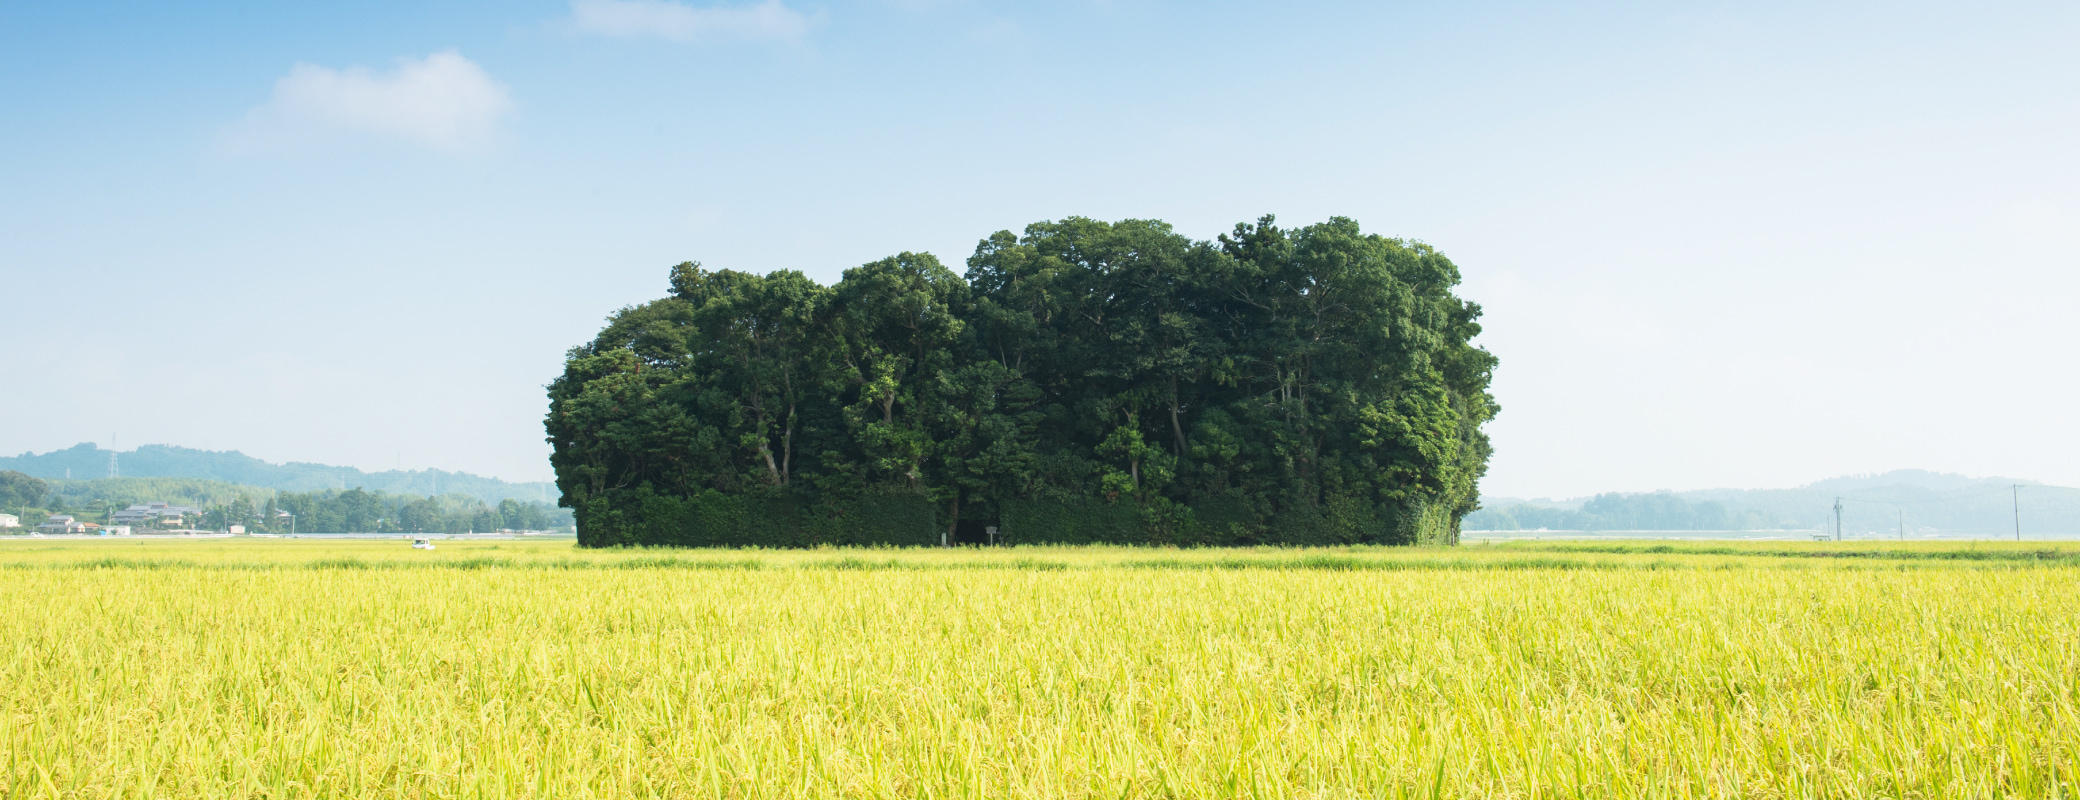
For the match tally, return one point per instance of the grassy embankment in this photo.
(362, 669)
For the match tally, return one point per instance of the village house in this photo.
(62, 523)
(10, 521)
(159, 513)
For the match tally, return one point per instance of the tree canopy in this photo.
(1084, 381)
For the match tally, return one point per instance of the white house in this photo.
(147, 513)
(62, 523)
(10, 521)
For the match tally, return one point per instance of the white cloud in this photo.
(443, 101)
(768, 20)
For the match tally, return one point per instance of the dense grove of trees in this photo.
(1086, 381)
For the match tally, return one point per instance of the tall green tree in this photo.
(752, 346)
(895, 325)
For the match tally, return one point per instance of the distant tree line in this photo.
(224, 505)
(359, 511)
(1086, 381)
(100, 493)
(1657, 511)
(35, 500)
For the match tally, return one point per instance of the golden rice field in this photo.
(292, 668)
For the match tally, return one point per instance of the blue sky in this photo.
(1719, 244)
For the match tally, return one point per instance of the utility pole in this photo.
(1838, 519)
(2015, 493)
(1902, 524)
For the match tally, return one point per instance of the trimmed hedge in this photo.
(1225, 521)
(644, 518)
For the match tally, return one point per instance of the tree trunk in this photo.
(765, 449)
(953, 519)
(1176, 426)
(787, 449)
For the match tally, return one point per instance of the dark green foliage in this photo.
(1086, 382)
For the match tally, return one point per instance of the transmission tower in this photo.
(2015, 496)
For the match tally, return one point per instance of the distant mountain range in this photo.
(1882, 503)
(1879, 503)
(86, 461)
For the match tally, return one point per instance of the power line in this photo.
(2014, 501)
(1951, 495)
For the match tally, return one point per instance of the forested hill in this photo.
(166, 461)
(1917, 499)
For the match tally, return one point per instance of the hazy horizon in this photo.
(1908, 475)
(1753, 246)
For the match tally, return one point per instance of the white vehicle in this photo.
(421, 544)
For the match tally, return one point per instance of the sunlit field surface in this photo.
(294, 668)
